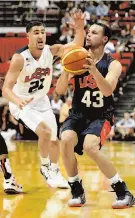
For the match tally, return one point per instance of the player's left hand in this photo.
(91, 66)
(78, 19)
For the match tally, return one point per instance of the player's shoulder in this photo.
(115, 64)
(20, 54)
(108, 57)
(111, 60)
(17, 59)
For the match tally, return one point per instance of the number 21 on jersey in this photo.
(36, 85)
(99, 99)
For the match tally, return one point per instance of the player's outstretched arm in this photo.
(16, 66)
(78, 23)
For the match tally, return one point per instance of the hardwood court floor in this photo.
(40, 201)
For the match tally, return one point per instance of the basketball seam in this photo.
(73, 62)
(73, 71)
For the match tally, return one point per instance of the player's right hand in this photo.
(78, 19)
(23, 103)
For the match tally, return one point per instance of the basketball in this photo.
(73, 60)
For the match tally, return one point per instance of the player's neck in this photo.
(97, 53)
(36, 53)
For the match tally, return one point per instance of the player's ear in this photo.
(105, 39)
(27, 35)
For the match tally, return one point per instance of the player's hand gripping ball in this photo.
(73, 60)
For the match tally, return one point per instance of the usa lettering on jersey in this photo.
(39, 72)
(87, 81)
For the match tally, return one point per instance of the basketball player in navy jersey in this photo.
(91, 117)
(26, 85)
(10, 185)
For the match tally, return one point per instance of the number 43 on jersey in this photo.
(99, 99)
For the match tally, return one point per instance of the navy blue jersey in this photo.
(88, 99)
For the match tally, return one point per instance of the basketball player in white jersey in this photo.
(26, 85)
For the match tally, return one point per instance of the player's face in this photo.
(37, 37)
(95, 37)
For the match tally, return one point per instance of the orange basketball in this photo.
(73, 60)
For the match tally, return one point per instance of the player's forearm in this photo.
(62, 83)
(10, 95)
(79, 37)
(102, 84)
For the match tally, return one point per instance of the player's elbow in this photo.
(108, 92)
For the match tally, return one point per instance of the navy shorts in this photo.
(83, 126)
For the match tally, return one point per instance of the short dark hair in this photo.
(33, 23)
(107, 31)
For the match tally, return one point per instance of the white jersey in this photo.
(34, 81)
(36, 76)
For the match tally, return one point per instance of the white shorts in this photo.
(35, 113)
